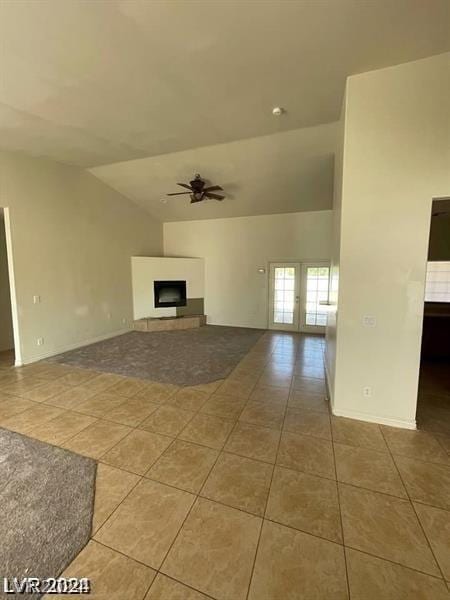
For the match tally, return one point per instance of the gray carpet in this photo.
(187, 357)
(46, 505)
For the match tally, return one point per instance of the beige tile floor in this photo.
(248, 487)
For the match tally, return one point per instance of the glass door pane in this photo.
(284, 305)
(284, 300)
(317, 278)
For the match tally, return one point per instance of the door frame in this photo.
(12, 287)
(301, 328)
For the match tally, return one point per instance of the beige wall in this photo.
(6, 330)
(396, 159)
(72, 239)
(234, 249)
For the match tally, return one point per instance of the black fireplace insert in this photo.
(169, 293)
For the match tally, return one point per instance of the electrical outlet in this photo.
(367, 392)
(40, 341)
(36, 299)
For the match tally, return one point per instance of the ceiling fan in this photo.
(198, 191)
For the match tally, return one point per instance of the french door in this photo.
(297, 291)
(314, 292)
(284, 296)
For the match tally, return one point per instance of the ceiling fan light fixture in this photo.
(197, 190)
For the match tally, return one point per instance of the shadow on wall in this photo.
(6, 327)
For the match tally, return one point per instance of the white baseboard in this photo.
(354, 414)
(31, 358)
(360, 416)
(262, 327)
(327, 381)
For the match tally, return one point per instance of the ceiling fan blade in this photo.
(214, 196)
(185, 185)
(178, 193)
(213, 188)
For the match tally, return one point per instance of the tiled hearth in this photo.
(170, 324)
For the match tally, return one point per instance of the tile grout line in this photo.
(435, 436)
(115, 509)
(156, 571)
(164, 404)
(407, 499)
(185, 584)
(340, 514)
(265, 517)
(274, 465)
(167, 435)
(195, 501)
(197, 412)
(268, 495)
(240, 510)
(338, 498)
(393, 562)
(197, 496)
(133, 473)
(141, 477)
(133, 428)
(413, 507)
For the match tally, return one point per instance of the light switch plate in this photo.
(369, 321)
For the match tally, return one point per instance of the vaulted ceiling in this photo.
(287, 172)
(95, 82)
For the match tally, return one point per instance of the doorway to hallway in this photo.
(7, 354)
(433, 403)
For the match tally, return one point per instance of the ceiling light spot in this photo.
(278, 111)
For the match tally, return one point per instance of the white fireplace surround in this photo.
(145, 270)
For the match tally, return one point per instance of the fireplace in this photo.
(169, 293)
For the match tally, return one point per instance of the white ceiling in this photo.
(96, 82)
(285, 172)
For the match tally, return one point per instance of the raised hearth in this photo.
(170, 324)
